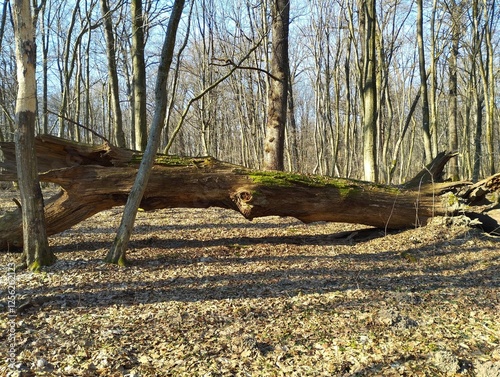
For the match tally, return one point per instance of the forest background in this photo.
(453, 108)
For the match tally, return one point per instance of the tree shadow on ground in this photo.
(339, 238)
(290, 275)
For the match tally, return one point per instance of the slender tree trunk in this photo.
(139, 76)
(369, 90)
(477, 93)
(479, 102)
(399, 141)
(36, 250)
(453, 91)
(78, 93)
(433, 120)
(87, 119)
(490, 90)
(3, 20)
(66, 71)
(293, 144)
(117, 253)
(423, 84)
(175, 83)
(129, 87)
(278, 90)
(347, 110)
(119, 135)
(45, 73)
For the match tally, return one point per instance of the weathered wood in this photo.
(432, 173)
(96, 178)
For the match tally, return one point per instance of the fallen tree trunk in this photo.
(96, 178)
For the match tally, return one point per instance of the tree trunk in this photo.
(117, 254)
(433, 97)
(369, 90)
(453, 89)
(33, 232)
(423, 84)
(293, 147)
(278, 90)
(96, 178)
(139, 76)
(113, 75)
(489, 88)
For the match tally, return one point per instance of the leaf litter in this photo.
(211, 294)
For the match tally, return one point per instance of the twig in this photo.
(80, 125)
(203, 92)
(229, 62)
(18, 204)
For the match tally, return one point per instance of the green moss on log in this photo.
(175, 161)
(346, 187)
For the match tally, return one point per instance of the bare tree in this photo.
(475, 50)
(117, 253)
(456, 31)
(113, 75)
(3, 20)
(423, 84)
(139, 76)
(433, 101)
(488, 78)
(7, 118)
(278, 91)
(36, 250)
(45, 36)
(369, 89)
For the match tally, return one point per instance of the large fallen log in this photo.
(99, 177)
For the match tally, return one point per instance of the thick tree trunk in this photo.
(31, 222)
(96, 178)
(369, 90)
(274, 142)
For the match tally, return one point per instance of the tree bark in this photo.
(278, 90)
(96, 178)
(117, 253)
(369, 89)
(36, 251)
(423, 84)
(453, 88)
(139, 76)
(113, 74)
(488, 76)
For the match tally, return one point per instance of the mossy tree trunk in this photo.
(96, 178)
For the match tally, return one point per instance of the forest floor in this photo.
(211, 294)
